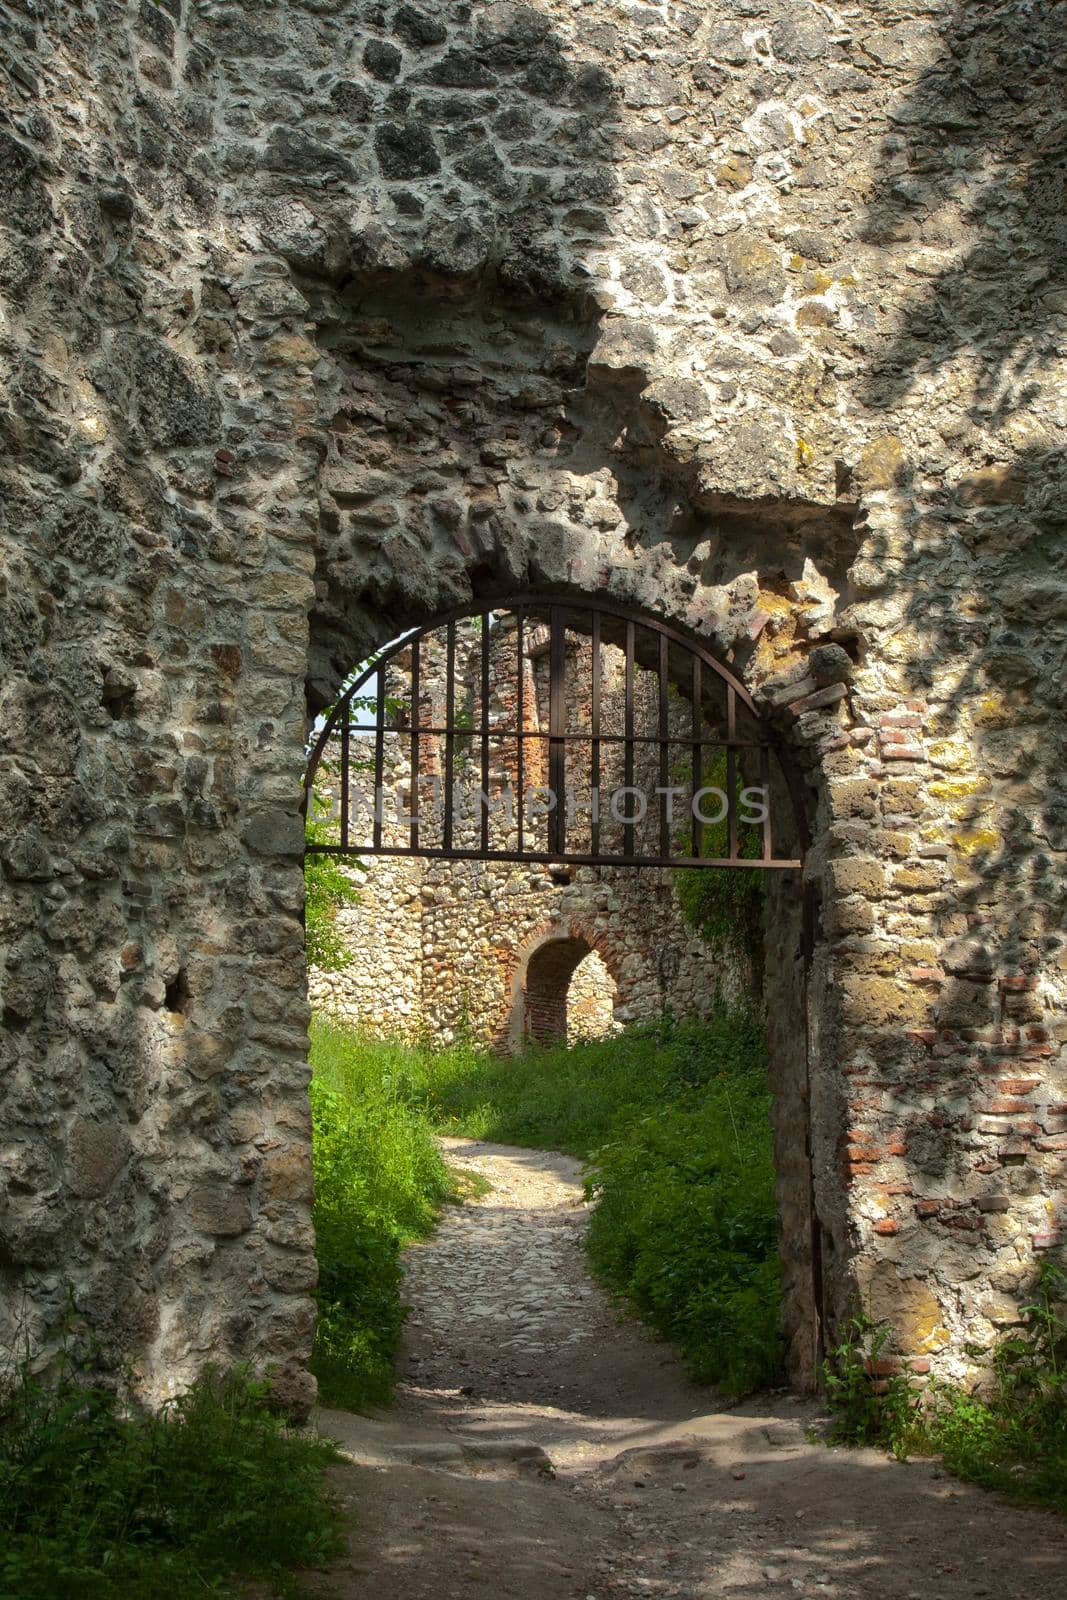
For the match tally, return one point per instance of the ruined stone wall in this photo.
(439, 948)
(321, 316)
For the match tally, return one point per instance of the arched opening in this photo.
(548, 980)
(428, 755)
(566, 993)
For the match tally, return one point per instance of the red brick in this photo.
(966, 1221)
(1055, 1141)
(918, 1364)
(1009, 1108)
(886, 1225)
(1018, 983)
(921, 1035)
(900, 719)
(897, 1148)
(926, 975)
(1046, 1241)
(927, 1208)
(903, 752)
(1017, 1085)
(886, 1367)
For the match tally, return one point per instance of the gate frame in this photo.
(558, 607)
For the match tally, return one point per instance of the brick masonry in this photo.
(751, 314)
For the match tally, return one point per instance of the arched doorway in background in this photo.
(566, 992)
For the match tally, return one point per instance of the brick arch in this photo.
(541, 974)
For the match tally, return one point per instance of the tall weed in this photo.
(101, 1500)
(1008, 1432)
(378, 1182)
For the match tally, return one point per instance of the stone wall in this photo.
(321, 316)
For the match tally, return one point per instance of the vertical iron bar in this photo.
(520, 731)
(450, 730)
(379, 758)
(731, 772)
(628, 741)
(557, 717)
(345, 739)
(416, 690)
(594, 796)
(664, 750)
(731, 802)
(698, 752)
(485, 732)
(765, 780)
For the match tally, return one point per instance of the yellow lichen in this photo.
(969, 843)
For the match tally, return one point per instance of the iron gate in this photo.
(545, 730)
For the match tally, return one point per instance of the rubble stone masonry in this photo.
(321, 316)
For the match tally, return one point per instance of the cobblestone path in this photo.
(545, 1447)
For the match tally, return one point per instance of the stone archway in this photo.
(541, 983)
(596, 323)
(549, 971)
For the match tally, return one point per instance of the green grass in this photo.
(100, 1501)
(378, 1183)
(673, 1121)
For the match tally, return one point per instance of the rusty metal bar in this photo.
(664, 746)
(450, 733)
(765, 780)
(594, 785)
(608, 738)
(557, 722)
(379, 760)
(628, 728)
(520, 743)
(416, 690)
(485, 732)
(697, 839)
(575, 859)
(731, 774)
(345, 743)
(731, 803)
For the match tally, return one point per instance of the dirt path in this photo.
(544, 1447)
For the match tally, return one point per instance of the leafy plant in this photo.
(870, 1406)
(725, 907)
(1008, 1432)
(327, 887)
(378, 1182)
(100, 1498)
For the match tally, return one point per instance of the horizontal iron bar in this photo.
(564, 858)
(712, 740)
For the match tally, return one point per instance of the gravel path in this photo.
(544, 1446)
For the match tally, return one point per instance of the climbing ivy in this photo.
(725, 905)
(327, 887)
